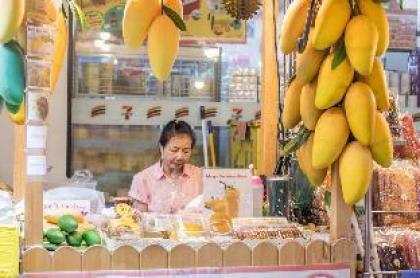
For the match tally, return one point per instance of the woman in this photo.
(170, 184)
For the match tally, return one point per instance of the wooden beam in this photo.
(340, 212)
(269, 96)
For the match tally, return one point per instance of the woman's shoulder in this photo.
(194, 169)
(149, 171)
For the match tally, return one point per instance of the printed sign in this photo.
(215, 182)
(53, 205)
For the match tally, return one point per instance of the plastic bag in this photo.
(82, 179)
(96, 198)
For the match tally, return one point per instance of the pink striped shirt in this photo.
(165, 195)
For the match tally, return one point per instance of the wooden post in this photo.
(340, 212)
(269, 96)
(33, 213)
(19, 157)
(19, 162)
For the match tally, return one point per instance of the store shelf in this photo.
(394, 211)
(125, 146)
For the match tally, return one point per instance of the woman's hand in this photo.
(139, 206)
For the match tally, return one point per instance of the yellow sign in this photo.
(104, 15)
(206, 20)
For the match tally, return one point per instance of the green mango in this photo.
(55, 236)
(67, 223)
(12, 73)
(74, 239)
(91, 237)
(50, 246)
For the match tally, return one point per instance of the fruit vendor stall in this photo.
(310, 110)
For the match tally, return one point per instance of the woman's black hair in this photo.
(174, 128)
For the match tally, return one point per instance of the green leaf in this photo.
(174, 16)
(75, 8)
(401, 3)
(63, 10)
(340, 55)
(294, 144)
(328, 199)
(381, 1)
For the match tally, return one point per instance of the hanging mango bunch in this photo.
(12, 74)
(60, 39)
(339, 90)
(161, 21)
(12, 66)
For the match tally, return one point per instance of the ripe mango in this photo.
(309, 62)
(332, 84)
(331, 134)
(377, 14)
(304, 157)
(19, 117)
(291, 111)
(162, 47)
(293, 25)
(360, 107)
(381, 147)
(361, 40)
(60, 46)
(378, 83)
(355, 170)
(138, 16)
(330, 23)
(11, 18)
(308, 111)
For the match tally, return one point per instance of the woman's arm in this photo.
(139, 206)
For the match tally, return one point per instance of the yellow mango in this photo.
(11, 18)
(332, 84)
(331, 134)
(378, 83)
(291, 111)
(330, 23)
(381, 147)
(293, 25)
(162, 47)
(138, 16)
(19, 117)
(60, 47)
(377, 14)
(55, 216)
(304, 158)
(355, 170)
(308, 111)
(309, 62)
(360, 107)
(361, 40)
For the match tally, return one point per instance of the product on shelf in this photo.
(264, 228)
(398, 249)
(156, 223)
(125, 224)
(395, 195)
(220, 221)
(191, 225)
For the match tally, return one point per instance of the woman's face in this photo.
(177, 152)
